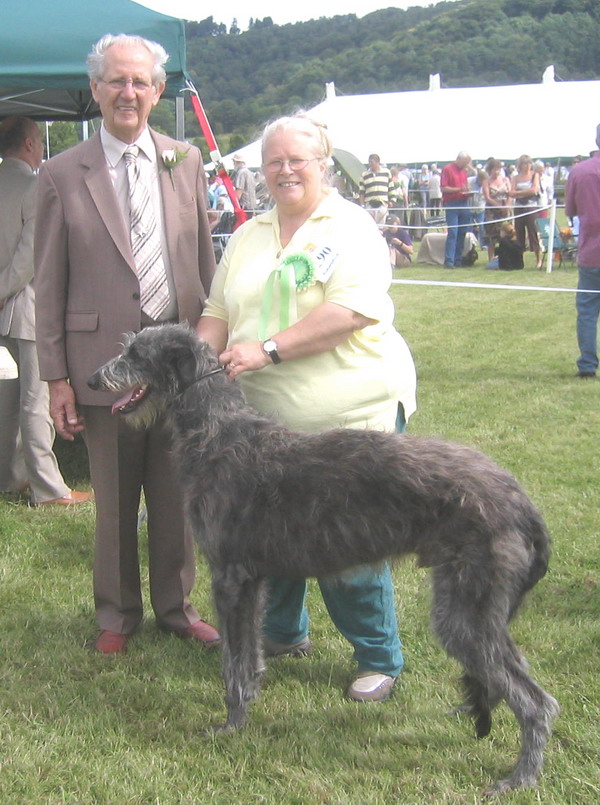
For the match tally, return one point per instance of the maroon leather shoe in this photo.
(112, 642)
(203, 632)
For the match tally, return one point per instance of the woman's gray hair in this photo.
(96, 58)
(303, 123)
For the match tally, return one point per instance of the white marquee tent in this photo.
(549, 120)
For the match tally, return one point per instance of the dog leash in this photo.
(216, 371)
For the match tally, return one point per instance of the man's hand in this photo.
(63, 410)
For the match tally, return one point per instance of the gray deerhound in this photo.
(265, 501)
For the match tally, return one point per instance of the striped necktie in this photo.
(145, 240)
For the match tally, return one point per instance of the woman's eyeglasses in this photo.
(276, 165)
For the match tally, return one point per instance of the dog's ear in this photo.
(186, 368)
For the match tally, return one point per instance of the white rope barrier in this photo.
(490, 285)
(444, 225)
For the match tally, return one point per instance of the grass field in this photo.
(496, 370)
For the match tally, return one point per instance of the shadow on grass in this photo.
(73, 461)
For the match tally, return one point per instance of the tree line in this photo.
(246, 78)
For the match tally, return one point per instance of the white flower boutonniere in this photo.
(171, 158)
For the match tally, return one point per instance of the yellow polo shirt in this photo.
(357, 384)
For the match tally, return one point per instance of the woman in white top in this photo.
(525, 189)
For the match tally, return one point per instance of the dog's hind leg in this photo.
(239, 600)
(535, 710)
(474, 631)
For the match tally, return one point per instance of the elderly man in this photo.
(123, 242)
(455, 198)
(583, 199)
(27, 460)
(244, 183)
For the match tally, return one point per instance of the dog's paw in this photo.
(510, 784)
(218, 729)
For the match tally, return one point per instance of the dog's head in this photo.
(156, 365)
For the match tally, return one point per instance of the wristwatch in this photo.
(270, 347)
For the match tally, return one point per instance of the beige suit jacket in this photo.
(87, 289)
(17, 218)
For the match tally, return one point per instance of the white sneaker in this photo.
(369, 686)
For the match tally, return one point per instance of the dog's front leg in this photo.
(239, 604)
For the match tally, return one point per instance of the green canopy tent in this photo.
(44, 45)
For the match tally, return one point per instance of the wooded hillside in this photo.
(246, 78)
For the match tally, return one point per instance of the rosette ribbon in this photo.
(295, 273)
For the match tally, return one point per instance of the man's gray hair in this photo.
(463, 155)
(598, 135)
(96, 58)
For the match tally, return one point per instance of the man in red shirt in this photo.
(455, 199)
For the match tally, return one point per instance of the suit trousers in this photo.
(123, 461)
(24, 412)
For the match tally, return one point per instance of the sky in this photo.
(281, 13)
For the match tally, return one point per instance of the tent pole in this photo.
(179, 119)
(551, 237)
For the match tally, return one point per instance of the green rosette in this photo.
(295, 273)
(304, 269)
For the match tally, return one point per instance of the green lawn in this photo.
(496, 371)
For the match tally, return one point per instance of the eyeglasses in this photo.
(276, 165)
(119, 84)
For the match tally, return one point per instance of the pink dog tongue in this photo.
(123, 401)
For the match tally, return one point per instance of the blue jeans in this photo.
(588, 308)
(360, 604)
(458, 220)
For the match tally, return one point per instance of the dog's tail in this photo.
(477, 704)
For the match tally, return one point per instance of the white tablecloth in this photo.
(433, 247)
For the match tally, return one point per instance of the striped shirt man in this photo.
(375, 189)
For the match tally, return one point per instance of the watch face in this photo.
(270, 347)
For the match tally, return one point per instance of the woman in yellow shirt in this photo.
(299, 311)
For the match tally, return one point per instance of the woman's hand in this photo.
(321, 330)
(242, 358)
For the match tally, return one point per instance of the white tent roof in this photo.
(547, 120)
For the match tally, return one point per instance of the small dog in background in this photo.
(265, 501)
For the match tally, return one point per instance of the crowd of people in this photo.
(467, 197)
(414, 199)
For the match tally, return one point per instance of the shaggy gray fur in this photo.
(265, 501)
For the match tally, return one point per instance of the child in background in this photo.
(509, 250)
